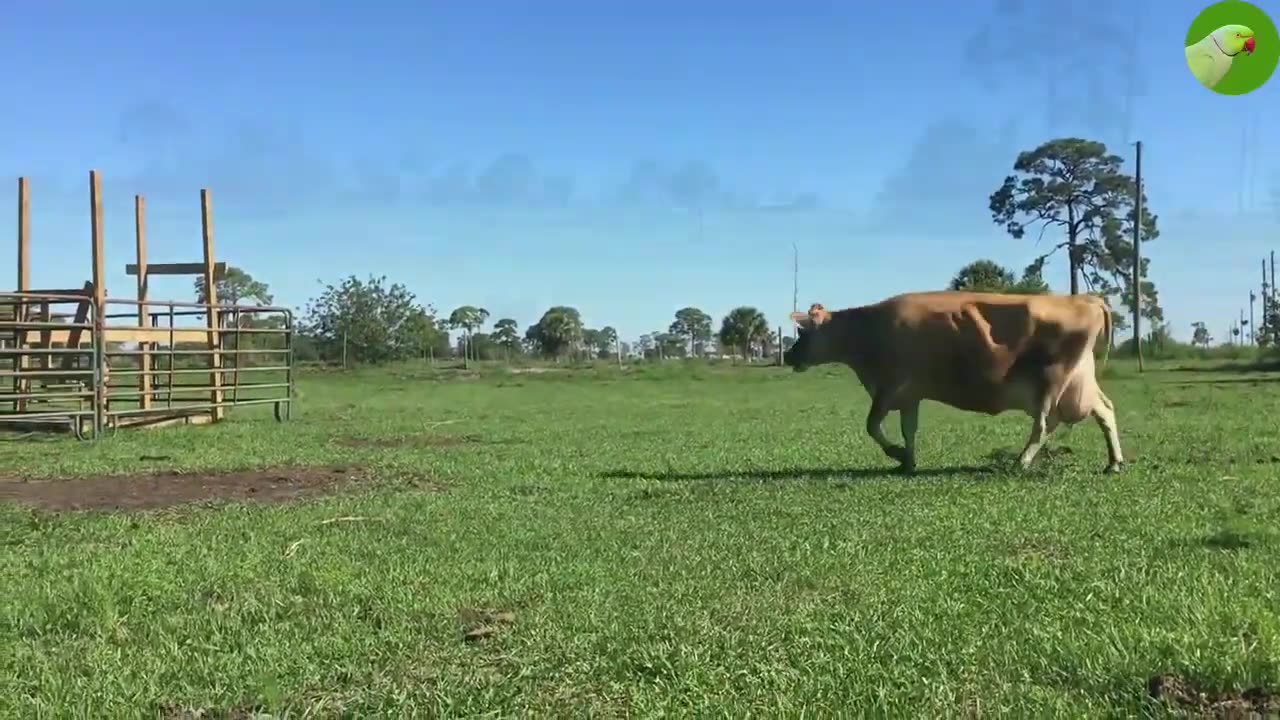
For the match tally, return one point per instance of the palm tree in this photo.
(468, 318)
(742, 328)
(507, 334)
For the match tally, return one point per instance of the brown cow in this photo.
(982, 352)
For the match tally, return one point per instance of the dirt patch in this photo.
(1031, 550)
(481, 624)
(1183, 695)
(160, 490)
(527, 491)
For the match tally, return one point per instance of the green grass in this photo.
(704, 541)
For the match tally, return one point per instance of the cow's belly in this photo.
(987, 397)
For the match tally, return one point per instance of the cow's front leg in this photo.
(909, 416)
(875, 420)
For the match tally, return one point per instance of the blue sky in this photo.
(515, 155)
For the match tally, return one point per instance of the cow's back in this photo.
(982, 352)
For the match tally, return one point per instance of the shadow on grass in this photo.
(827, 473)
(1228, 539)
(1001, 463)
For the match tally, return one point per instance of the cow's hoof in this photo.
(1114, 468)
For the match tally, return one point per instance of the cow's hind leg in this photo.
(1043, 422)
(875, 421)
(1104, 412)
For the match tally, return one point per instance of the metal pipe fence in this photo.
(92, 375)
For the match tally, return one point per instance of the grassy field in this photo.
(692, 541)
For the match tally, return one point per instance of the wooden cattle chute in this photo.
(74, 358)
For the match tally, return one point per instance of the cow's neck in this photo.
(856, 325)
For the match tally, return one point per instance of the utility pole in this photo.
(1267, 328)
(795, 278)
(1253, 329)
(1275, 297)
(1137, 254)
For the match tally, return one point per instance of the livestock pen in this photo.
(79, 360)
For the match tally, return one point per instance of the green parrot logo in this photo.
(1211, 57)
(1232, 47)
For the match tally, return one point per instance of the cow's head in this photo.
(810, 347)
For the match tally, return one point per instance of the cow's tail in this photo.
(1108, 330)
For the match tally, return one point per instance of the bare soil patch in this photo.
(478, 624)
(160, 490)
(1182, 695)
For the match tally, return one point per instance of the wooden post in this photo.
(46, 335)
(24, 235)
(24, 284)
(211, 298)
(99, 297)
(95, 208)
(144, 317)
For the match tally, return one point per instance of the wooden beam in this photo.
(211, 293)
(75, 333)
(154, 335)
(219, 269)
(152, 422)
(73, 292)
(144, 317)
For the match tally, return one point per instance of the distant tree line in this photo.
(373, 321)
(1070, 187)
